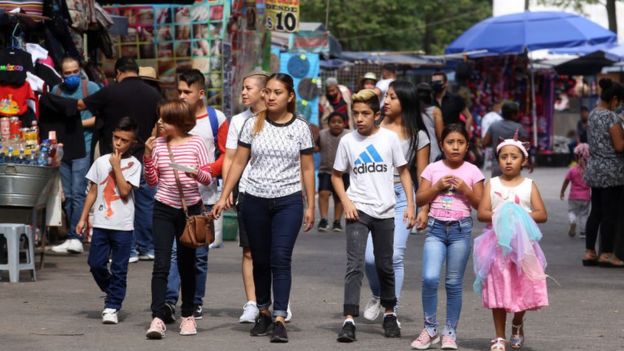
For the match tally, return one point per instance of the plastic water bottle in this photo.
(42, 160)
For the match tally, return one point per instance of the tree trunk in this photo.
(612, 16)
(427, 36)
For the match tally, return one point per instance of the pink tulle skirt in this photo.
(508, 286)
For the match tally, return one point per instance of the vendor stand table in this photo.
(24, 194)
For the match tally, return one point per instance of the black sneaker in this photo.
(391, 326)
(279, 333)
(337, 227)
(323, 225)
(169, 313)
(347, 333)
(198, 313)
(262, 326)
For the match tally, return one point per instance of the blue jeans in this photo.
(450, 242)
(115, 244)
(276, 223)
(142, 238)
(74, 186)
(201, 273)
(401, 233)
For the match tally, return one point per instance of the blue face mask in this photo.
(72, 82)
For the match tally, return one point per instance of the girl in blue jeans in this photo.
(402, 116)
(451, 187)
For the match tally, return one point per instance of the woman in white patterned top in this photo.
(277, 148)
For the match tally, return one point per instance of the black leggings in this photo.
(605, 214)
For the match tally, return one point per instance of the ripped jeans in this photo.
(451, 242)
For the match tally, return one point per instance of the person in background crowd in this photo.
(328, 140)
(581, 126)
(432, 119)
(504, 129)
(337, 98)
(112, 179)
(388, 75)
(605, 175)
(580, 193)
(278, 147)
(452, 105)
(73, 172)
(207, 121)
(252, 98)
(131, 97)
(177, 192)
(402, 116)
(486, 122)
(149, 76)
(368, 81)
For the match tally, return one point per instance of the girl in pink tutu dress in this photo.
(508, 262)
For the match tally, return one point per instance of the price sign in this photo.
(282, 15)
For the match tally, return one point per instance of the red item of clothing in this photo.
(13, 99)
(216, 167)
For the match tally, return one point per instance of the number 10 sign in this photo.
(282, 15)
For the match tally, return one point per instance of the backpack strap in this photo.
(85, 87)
(214, 122)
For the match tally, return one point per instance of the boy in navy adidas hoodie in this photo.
(370, 154)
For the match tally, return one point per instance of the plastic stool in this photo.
(13, 232)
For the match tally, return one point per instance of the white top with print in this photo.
(275, 164)
(371, 161)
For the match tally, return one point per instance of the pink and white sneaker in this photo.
(425, 341)
(188, 326)
(156, 330)
(448, 343)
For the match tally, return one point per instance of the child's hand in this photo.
(308, 219)
(115, 159)
(191, 174)
(444, 183)
(562, 196)
(409, 217)
(81, 226)
(421, 219)
(460, 185)
(149, 146)
(350, 211)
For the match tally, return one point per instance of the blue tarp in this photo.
(611, 51)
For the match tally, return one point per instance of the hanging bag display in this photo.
(199, 229)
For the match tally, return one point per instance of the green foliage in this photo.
(392, 25)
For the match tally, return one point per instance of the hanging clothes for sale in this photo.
(14, 99)
(14, 63)
(61, 115)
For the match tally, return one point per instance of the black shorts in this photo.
(324, 182)
(243, 239)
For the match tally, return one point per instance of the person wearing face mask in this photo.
(73, 172)
(453, 106)
(337, 98)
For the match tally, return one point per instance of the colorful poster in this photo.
(305, 70)
(175, 38)
(282, 15)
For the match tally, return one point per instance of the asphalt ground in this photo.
(61, 310)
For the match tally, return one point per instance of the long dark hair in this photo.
(412, 119)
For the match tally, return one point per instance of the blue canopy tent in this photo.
(527, 31)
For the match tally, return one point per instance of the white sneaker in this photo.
(62, 248)
(133, 259)
(372, 309)
(288, 314)
(250, 313)
(216, 245)
(109, 316)
(75, 246)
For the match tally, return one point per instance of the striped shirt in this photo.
(159, 172)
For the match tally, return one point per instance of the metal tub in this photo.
(25, 185)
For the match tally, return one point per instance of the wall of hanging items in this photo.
(492, 79)
(305, 70)
(174, 38)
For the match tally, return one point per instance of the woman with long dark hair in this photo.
(432, 119)
(277, 147)
(402, 115)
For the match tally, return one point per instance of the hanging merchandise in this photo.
(305, 70)
(13, 99)
(14, 63)
(31, 7)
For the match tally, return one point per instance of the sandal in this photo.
(498, 344)
(517, 340)
(616, 262)
(590, 258)
(605, 260)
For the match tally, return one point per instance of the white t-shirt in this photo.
(423, 140)
(110, 211)
(371, 161)
(487, 121)
(275, 161)
(236, 125)
(204, 130)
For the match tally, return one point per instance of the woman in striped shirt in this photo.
(169, 217)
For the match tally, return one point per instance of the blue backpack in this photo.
(214, 125)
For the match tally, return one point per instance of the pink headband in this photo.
(514, 142)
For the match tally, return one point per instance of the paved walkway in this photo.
(61, 311)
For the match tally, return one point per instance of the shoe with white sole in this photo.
(288, 314)
(373, 309)
(449, 343)
(188, 326)
(156, 330)
(425, 341)
(133, 259)
(62, 248)
(146, 257)
(109, 316)
(250, 313)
